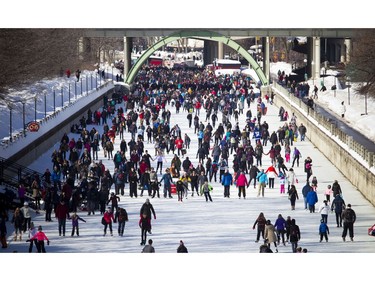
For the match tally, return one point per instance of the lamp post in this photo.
(96, 80)
(10, 107)
(305, 61)
(45, 104)
(62, 96)
(54, 100)
(313, 72)
(87, 86)
(35, 102)
(112, 65)
(334, 91)
(69, 91)
(81, 85)
(91, 81)
(23, 117)
(348, 86)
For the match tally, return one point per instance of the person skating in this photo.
(349, 217)
(40, 236)
(147, 209)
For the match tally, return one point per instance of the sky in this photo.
(235, 257)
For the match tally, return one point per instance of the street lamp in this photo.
(45, 103)
(35, 102)
(305, 61)
(81, 85)
(23, 101)
(54, 100)
(62, 96)
(334, 91)
(313, 72)
(96, 80)
(75, 90)
(87, 86)
(112, 65)
(348, 86)
(69, 91)
(10, 107)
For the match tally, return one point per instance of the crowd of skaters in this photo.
(79, 180)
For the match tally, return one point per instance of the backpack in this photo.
(348, 215)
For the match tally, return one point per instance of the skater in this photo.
(32, 231)
(295, 235)
(323, 230)
(75, 223)
(26, 212)
(269, 235)
(241, 183)
(349, 217)
(324, 211)
(338, 204)
(121, 217)
(280, 229)
(261, 222)
(167, 178)
(227, 181)
(40, 236)
(107, 220)
(149, 248)
(292, 196)
(17, 221)
(182, 248)
(206, 188)
(147, 209)
(62, 213)
(145, 225)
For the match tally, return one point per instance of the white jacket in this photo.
(324, 209)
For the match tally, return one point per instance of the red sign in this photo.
(33, 127)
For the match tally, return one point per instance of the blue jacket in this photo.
(227, 179)
(311, 197)
(262, 177)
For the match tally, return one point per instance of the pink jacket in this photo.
(40, 236)
(241, 180)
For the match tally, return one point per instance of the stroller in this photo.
(371, 230)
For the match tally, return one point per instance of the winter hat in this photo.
(40, 228)
(26, 204)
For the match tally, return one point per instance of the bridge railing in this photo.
(329, 125)
(21, 135)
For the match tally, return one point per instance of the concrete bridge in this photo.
(226, 36)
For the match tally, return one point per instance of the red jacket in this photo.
(62, 211)
(241, 180)
(108, 217)
(179, 143)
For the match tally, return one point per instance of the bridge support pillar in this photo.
(220, 50)
(266, 58)
(315, 62)
(128, 46)
(210, 51)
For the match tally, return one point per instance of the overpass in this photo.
(224, 36)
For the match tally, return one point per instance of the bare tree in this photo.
(362, 62)
(28, 55)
